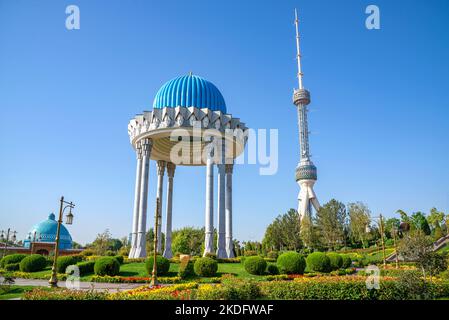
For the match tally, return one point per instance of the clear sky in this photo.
(379, 113)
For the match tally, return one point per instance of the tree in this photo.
(414, 245)
(420, 222)
(115, 244)
(283, 232)
(405, 218)
(307, 232)
(188, 240)
(330, 221)
(273, 239)
(436, 221)
(435, 218)
(102, 242)
(359, 220)
(432, 263)
(76, 245)
(391, 226)
(291, 229)
(417, 246)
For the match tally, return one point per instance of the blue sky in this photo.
(379, 112)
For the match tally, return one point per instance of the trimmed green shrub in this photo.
(162, 263)
(255, 265)
(33, 263)
(86, 267)
(12, 258)
(231, 289)
(106, 266)
(63, 262)
(347, 288)
(205, 267)
(336, 260)
(186, 270)
(319, 262)
(120, 259)
(12, 266)
(347, 261)
(291, 263)
(272, 269)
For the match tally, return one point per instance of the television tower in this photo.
(306, 172)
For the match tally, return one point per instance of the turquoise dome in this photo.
(189, 91)
(46, 232)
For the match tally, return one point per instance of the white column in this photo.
(160, 185)
(170, 174)
(221, 240)
(229, 242)
(209, 212)
(135, 225)
(141, 250)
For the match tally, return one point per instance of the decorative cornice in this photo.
(182, 117)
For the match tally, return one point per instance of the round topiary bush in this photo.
(12, 258)
(106, 266)
(291, 263)
(186, 270)
(205, 267)
(272, 269)
(63, 262)
(347, 261)
(86, 267)
(33, 263)
(336, 260)
(162, 263)
(318, 262)
(255, 265)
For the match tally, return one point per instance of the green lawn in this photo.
(138, 270)
(16, 292)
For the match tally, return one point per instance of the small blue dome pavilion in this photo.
(189, 91)
(46, 232)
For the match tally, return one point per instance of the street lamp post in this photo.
(2, 237)
(53, 282)
(154, 281)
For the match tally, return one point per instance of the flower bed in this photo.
(64, 294)
(120, 279)
(175, 292)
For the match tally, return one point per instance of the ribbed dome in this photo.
(189, 91)
(46, 232)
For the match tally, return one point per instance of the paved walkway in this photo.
(111, 287)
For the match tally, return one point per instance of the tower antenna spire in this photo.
(298, 52)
